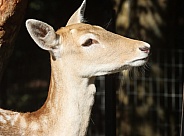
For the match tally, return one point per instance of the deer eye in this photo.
(89, 42)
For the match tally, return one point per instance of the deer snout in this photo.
(145, 48)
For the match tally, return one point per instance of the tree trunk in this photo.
(11, 16)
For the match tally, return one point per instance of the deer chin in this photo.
(138, 62)
(113, 71)
(134, 63)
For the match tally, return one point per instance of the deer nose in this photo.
(145, 49)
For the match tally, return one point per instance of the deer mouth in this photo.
(142, 59)
(139, 62)
(134, 63)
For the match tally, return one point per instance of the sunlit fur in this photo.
(67, 110)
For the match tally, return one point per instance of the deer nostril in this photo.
(145, 49)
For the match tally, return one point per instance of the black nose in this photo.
(145, 49)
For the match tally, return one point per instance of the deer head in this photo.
(87, 49)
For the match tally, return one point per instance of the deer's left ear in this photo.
(44, 36)
(78, 16)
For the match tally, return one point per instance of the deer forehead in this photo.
(80, 29)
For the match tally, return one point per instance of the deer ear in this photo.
(44, 36)
(78, 16)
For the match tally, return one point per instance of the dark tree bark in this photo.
(11, 16)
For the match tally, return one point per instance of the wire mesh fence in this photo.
(147, 104)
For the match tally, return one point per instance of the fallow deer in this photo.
(79, 52)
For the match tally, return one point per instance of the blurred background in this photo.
(145, 101)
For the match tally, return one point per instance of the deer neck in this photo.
(70, 100)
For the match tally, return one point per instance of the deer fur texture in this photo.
(79, 52)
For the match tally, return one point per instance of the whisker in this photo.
(130, 74)
(108, 24)
(142, 71)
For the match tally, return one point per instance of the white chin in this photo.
(137, 63)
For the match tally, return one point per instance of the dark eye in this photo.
(89, 42)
